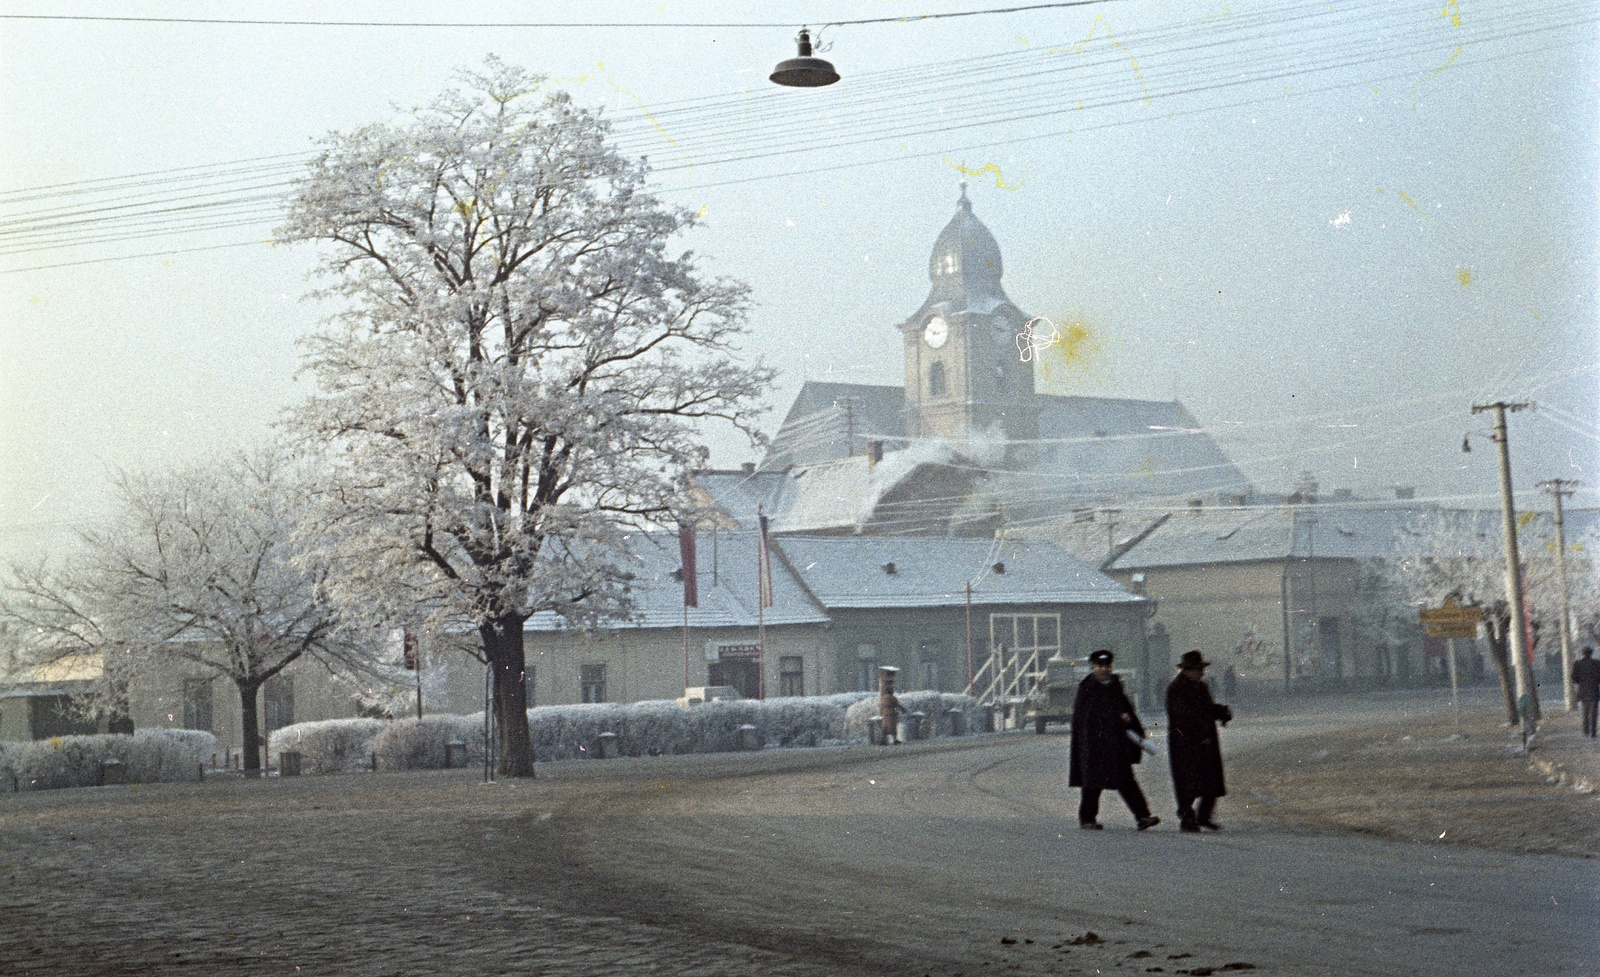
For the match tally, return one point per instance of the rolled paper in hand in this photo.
(1142, 743)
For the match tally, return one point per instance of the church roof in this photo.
(833, 420)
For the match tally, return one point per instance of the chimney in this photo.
(874, 453)
(1405, 493)
(749, 467)
(1344, 493)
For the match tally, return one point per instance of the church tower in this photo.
(965, 376)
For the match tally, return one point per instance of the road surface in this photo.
(943, 858)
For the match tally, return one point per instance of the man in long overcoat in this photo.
(1103, 754)
(1586, 682)
(1193, 745)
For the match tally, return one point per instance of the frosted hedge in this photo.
(640, 729)
(147, 757)
(329, 746)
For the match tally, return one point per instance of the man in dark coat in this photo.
(1103, 754)
(889, 707)
(1586, 676)
(1192, 744)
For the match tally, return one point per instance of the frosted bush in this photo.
(148, 756)
(328, 746)
(420, 744)
(935, 705)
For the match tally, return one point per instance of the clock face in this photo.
(936, 332)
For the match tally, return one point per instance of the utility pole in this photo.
(1527, 696)
(1557, 488)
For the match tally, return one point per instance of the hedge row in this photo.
(148, 756)
(640, 729)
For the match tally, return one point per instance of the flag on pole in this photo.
(686, 552)
(764, 565)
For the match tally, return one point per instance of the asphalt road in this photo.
(952, 857)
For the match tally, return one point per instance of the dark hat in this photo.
(1192, 659)
(1101, 657)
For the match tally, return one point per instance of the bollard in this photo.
(988, 718)
(289, 763)
(374, 762)
(606, 747)
(914, 726)
(958, 722)
(750, 737)
(875, 730)
(200, 770)
(455, 754)
(111, 772)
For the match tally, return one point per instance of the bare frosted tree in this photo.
(518, 368)
(209, 566)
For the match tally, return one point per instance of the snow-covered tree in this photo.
(211, 566)
(518, 368)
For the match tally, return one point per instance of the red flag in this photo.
(686, 552)
(764, 565)
(409, 649)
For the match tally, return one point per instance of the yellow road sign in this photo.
(1451, 620)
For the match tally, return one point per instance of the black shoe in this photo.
(1189, 827)
(1148, 821)
(1209, 825)
(1091, 826)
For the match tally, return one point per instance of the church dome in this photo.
(965, 247)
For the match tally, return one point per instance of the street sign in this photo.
(1451, 621)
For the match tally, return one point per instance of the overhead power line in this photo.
(480, 25)
(975, 100)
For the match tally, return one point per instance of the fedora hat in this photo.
(1192, 659)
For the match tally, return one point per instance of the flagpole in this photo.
(763, 594)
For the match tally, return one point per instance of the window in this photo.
(279, 694)
(197, 704)
(791, 676)
(938, 386)
(592, 682)
(930, 676)
(867, 668)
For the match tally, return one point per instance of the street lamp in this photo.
(804, 71)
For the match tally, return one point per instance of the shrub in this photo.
(148, 756)
(328, 746)
(419, 744)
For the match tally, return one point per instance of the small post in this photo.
(1455, 701)
(374, 759)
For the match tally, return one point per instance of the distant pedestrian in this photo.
(889, 707)
(1586, 676)
(1193, 745)
(1103, 754)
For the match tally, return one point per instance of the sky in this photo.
(1328, 230)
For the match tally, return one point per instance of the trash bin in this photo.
(112, 772)
(455, 754)
(289, 763)
(605, 746)
(958, 722)
(750, 737)
(914, 726)
(875, 730)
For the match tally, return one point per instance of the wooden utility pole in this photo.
(1557, 488)
(1527, 694)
